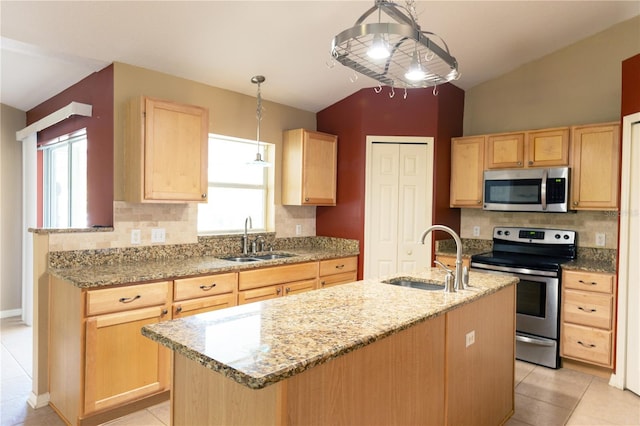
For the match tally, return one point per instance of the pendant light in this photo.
(258, 79)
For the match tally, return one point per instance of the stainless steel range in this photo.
(534, 255)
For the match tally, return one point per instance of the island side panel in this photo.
(480, 385)
(201, 396)
(396, 380)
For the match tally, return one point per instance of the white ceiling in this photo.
(48, 46)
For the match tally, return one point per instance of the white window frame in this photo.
(48, 202)
(266, 149)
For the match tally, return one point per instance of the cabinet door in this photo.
(121, 364)
(595, 163)
(337, 279)
(299, 287)
(467, 166)
(548, 148)
(258, 294)
(504, 151)
(319, 169)
(203, 304)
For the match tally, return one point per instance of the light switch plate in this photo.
(157, 235)
(298, 229)
(470, 338)
(135, 236)
(476, 231)
(600, 239)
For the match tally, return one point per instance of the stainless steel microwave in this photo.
(527, 190)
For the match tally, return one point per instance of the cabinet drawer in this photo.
(277, 275)
(588, 281)
(126, 298)
(208, 285)
(336, 279)
(258, 294)
(590, 309)
(203, 304)
(586, 344)
(338, 266)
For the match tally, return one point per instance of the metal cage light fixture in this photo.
(398, 53)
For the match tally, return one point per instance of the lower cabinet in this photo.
(588, 310)
(338, 271)
(268, 283)
(203, 294)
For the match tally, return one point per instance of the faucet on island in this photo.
(245, 237)
(460, 276)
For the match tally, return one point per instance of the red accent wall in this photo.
(369, 113)
(95, 90)
(631, 85)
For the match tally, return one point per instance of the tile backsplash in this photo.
(585, 223)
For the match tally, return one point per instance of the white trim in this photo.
(10, 313)
(38, 401)
(618, 379)
(74, 108)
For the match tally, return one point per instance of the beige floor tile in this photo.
(162, 411)
(9, 367)
(15, 388)
(580, 420)
(539, 413)
(16, 337)
(522, 370)
(608, 404)
(138, 418)
(561, 387)
(515, 422)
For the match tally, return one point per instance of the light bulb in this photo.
(415, 71)
(378, 48)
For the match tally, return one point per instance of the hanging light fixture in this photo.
(259, 79)
(396, 53)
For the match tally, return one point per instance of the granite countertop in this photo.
(159, 269)
(261, 343)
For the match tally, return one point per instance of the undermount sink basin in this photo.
(408, 282)
(257, 258)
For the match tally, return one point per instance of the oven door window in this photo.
(531, 298)
(513, 191)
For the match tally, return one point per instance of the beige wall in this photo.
(578, 84)
(12, 120)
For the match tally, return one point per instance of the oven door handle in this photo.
(543, 189)
(533, 341)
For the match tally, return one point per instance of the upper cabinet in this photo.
(467, 165)
(595, 151)
(165, 153)
(539, 148)
(309, 168)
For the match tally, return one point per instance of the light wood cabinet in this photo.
(267, 283)
(595, 160)
(535, 148)
(588, 310)
(165, 151)
(100, 365)
(504, 151)
(467, 167)
(309, 168)
(203, 294)
(338, 271)
(450, 261)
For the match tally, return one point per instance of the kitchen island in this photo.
(361, 353)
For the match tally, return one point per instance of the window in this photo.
(236, 189)
(65, 181)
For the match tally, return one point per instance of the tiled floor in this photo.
(543, 396)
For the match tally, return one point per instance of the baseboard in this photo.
(38, 401)
(11, 313)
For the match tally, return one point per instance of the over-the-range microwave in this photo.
(527, 190)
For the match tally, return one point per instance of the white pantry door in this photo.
(398, 207)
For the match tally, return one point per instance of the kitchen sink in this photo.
(408, 282)
(257, 258)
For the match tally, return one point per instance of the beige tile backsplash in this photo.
(179, 222)
(585, 223)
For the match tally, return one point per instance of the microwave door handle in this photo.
(543, 189)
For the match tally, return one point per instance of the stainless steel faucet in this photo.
(245, 238)
(460, 276)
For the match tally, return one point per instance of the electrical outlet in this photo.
(600, 239)
(470, 338)
(476, 231)
(157, 235)
(135, 236)
(298, 229)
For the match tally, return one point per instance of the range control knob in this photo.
(507, 232)
(499, 232)
(566, 237)
(557, 236)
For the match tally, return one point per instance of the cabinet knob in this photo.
(306, 199)
(288, 290)
(519, 163)
(530, 163)
(575, 203)
(278, 291)
(204, 195)
(178, 309)
(323, 283)
(165, 312)
(479, 202)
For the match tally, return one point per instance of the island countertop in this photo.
(265, 342)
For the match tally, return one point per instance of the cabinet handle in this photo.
(178, 309)
(207, 287)
(129, 299)
(323, 283)
(588, 283)
(204, 195)
(288, 290)
(306, 199)
(575, 203)
(587, 345)
(165, 312)
(530, 163)
(586, 310)
(519, 163)
(479, 202)
(278, 291)
(339, 266)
